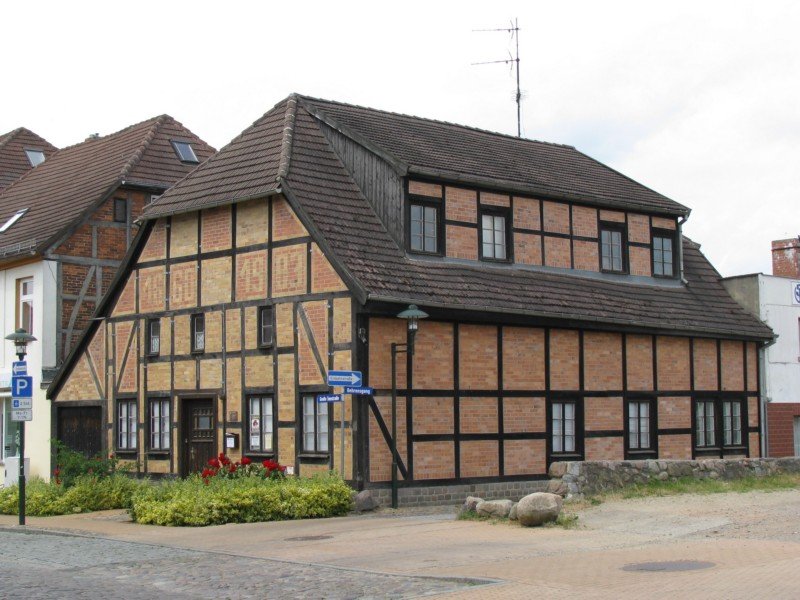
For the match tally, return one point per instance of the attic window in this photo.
(35, 157)
(185, 151)
(16, 217)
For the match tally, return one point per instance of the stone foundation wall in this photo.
(590, 477)
(455, 494)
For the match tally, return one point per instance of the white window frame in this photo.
(160, 424)
(639, 425)
(127, 424)
(25, 299)
(315, 425)
(494, 238)
(261, 438)
(564, 434)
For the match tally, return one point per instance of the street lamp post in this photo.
(411, 315)
(21, 339)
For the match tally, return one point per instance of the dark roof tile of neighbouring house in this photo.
(74, 180)
(14, 148)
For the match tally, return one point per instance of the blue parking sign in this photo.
(22, 386)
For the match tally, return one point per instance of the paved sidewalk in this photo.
(746, 545)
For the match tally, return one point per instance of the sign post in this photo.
(22, 403)
(344, 379)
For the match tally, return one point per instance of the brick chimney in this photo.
(786, 257)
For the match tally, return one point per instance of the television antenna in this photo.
(513, 29)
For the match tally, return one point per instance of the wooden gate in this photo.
(80, 428)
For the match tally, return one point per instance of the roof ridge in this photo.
(288, 137)
(109, 135)
(438, 121)
(137, 155)
(6, 138)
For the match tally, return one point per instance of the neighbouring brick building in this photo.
(65, 227)
(568, 316)
(776, 300)
(20, 151)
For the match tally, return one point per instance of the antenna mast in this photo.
(513, 29)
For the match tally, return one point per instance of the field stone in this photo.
(365, 501)
(557, 486)
(494, 508)
(470, 503)
(512, 516)
(538, 508)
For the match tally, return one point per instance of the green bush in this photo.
(71, 464)
(88, 493)
(192, 502)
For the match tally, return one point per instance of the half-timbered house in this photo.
(65, 226)
(568, 317)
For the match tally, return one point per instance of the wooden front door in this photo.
(79, 428)
(197, 435)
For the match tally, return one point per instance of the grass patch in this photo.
(689, 485)
(566, 520)
(471, 515)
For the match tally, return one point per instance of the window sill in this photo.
(126, 452)
(203, 351)
(317, 455)
(158, 454)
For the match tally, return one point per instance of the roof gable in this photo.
(73, 181)
(14, 162)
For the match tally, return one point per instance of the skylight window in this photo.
(185, 151)
(35, 157)
(16, 217)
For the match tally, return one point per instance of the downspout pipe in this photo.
(681, 220)
(764, 398)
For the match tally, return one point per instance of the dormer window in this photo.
(494, 234)
(184, 151)
(16, 217)
(35, 157)
(425, 222)
(612, 248)
(663, 254)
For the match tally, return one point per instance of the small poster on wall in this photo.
(255, 425)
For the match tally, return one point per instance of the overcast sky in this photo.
(698, 100)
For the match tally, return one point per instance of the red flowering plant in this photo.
(222, 467)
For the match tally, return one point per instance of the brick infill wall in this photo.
(590, 477)
(780, 421)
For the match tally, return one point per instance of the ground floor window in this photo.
(564, 427)
(127, 424)
(641, 415)
(261, 424)
(719, 423)
(315, 425)
(159, 424)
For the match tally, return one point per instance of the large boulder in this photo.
(538, 508)
(494, 508)
(512, 516)
(470, 503)
(364, 501)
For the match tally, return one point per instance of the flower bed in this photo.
(240, 492)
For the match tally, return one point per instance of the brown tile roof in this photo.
(74, 180)
(14, 162)
(458, 153)
(286, 149)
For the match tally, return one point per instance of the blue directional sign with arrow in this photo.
(352, 378)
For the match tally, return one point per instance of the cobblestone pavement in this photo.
(40, 565)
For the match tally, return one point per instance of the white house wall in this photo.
(41, 354)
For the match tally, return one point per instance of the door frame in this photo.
(183, 400)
